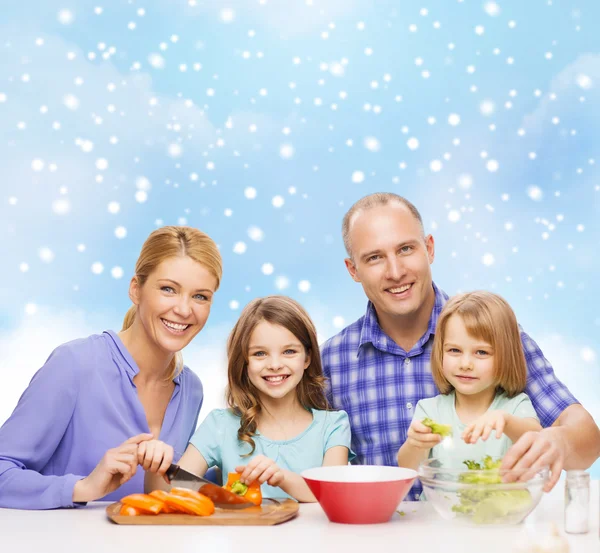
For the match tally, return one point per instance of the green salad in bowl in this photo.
(477, 493)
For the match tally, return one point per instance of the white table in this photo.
(421, 530)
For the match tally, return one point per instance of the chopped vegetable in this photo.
(179, 500)
(129, 511)
(250, 492)
(484, 505)
(161, 494)
(144, 502)
(190, 505)
(196, 496)
(441, 429)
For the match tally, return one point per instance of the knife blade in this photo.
(220, 496)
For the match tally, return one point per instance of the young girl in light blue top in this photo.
(477, 363)
(278, 423)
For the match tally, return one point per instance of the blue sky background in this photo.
(261, 122)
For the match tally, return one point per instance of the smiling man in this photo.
(378, 367)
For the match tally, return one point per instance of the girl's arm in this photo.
(410, 456)
(192, 460)
(515, 427)
(419, 441)
(293, 484)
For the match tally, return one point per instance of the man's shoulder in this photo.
(346, 338)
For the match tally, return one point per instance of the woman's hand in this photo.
(483, 426)
(263, 469)
(114, 469)
(155, 456)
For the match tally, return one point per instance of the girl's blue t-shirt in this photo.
(216, 439)
(452, 451)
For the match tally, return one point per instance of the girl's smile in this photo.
(276, 360)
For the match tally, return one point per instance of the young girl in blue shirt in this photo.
(478, 365)
(278, 423)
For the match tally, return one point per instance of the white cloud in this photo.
(290, 18)
(581, 377)
(20, 361)
(575, 80)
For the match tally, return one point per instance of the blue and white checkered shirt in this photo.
(379, 384)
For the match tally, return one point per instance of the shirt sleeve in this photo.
(338, 432)
(549, 396)
(523, 408)
(327, 373)
(29, 438)
(208, 436)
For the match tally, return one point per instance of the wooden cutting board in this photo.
(270, 512)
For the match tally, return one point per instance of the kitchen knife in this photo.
(221, 497)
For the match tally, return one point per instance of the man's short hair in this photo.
(369, 202)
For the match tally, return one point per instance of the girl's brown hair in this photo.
(242, 395)
(487, 317)
(167, 242)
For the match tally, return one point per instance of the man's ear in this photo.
(134, 290)
(430, 245)
(351, 269)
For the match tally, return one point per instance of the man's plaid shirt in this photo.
(379, 384)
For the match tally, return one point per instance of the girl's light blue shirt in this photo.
(451, 452)
(216, 439)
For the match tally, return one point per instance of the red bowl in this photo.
(359, 494)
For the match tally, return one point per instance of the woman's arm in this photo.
(29, 438)
(192, 461)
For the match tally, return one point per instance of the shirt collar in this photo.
(131, 366)
(372, 333)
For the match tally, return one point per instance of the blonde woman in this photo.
(99, 404)
(278, 423)
(478, 365)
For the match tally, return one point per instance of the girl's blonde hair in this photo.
(242, 395)
(167, 242)
(487, 317)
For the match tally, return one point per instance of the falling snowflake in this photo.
(240, 248)
(535, 193)
(358, 177)
(488, 260)
(412, 143)
(304, 286)
(267, 269)
(256, 234)
(97, 268)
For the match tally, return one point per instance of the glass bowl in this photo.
(481, 497)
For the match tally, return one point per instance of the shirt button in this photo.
(409, 405)
(407, 361)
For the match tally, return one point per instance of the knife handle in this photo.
(172, 472)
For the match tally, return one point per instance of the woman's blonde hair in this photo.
(167, 242)
(487, 317)
(242, 395)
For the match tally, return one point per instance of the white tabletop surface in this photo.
(420, 530)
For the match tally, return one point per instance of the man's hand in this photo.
(534, 450)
